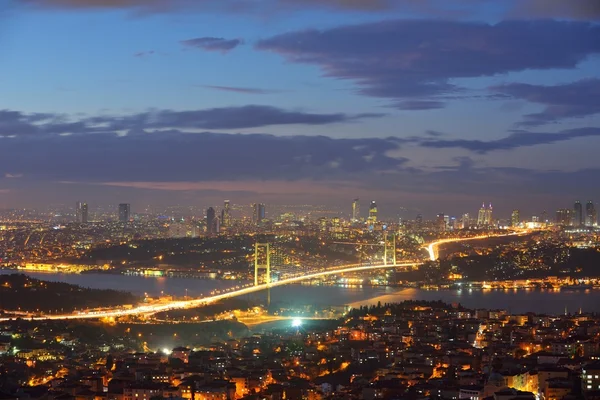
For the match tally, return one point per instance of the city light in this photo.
(296, 323)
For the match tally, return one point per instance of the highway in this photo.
(432, 249)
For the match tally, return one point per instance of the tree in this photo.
(110, 362)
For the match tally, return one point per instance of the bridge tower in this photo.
(389, 249)
(262, 262)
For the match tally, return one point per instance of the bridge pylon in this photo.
(262, 263)
(389, 249)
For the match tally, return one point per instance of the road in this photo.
(187, 304)
(433, 248)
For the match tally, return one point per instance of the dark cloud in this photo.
(212, 44)
(251, 116)
(416, 105)
(572, 100)
(575, 9)
(175, 156)
(414, 62)
(513, 141)
(245, 90)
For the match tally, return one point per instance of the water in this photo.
(540, 301)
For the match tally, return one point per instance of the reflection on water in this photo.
(517, 301)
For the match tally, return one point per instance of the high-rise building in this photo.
(211, 217)
(481, 216)
(564, 217)
(355, 210)
(226, 214)
(590, 214)
(440, 222)
(577, 214)
(81, 212)
(515, 218)
(489, 217)
(465, 221)
(124, 212)
(259, 213)
(419, 220)
(373, 212)
(485, 217)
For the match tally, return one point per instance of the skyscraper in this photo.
(81, 212)
(564, 217)
(515, 218)
(226, 219)
(440, 222)
(465, 221)
(577, 214)
(373, 212)
(210, 221)
(259, 213)
(124, 212)
(485, 217)
(355, 210)
(489, 217)
(590, 214)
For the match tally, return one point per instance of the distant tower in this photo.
(259, 213)
(124, 212)
(465, 221)
(489, 218)
(590, 214)
(441, 222)
(564, 217)
(481, 215)
(373, 212)
(226, 218)
(577, 214)
(210, 221)
(515, 218)
(355, 210)
(81, 212)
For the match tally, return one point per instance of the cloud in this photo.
(515, 140)
(572, 100)
(575, 9)
(212, 44)
(245, 90)
(415, 62)
(252, 116)
(141, 54)
(175, 156)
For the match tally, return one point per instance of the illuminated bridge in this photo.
(388, 261)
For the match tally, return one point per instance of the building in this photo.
(564, 217)
(465, 221)
(485, 217)
(259, 213)
(373, 212)
(440, 222)
(211, 219)
(81, 212)
(590, 377)
(577, 214)
(226, 214)
(355, 210)
(515, 218)
(590, 214)
(124, 212)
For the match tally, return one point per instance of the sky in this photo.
(425, 106)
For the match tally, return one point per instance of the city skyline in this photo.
(197, 103)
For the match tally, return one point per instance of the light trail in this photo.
(432, 248)
(187, 304)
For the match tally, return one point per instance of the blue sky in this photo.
(432, 106)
